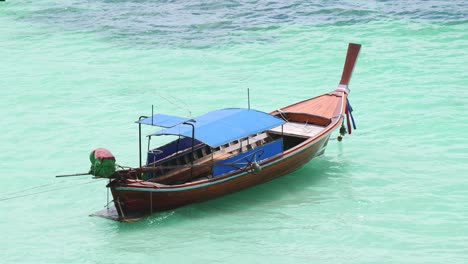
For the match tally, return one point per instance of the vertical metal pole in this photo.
(192, 158)
(139, 137)
(108, 197)
(149, 142)
(248, 97)
(178, 142)
(139, 142)
(282, 137)
(212, 162)
(193, 154)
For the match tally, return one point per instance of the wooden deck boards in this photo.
(298, 129)
(324, 105)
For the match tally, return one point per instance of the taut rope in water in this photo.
(40, 186)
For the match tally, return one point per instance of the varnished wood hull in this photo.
(130, 201)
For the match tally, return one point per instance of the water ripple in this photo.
(216, 23)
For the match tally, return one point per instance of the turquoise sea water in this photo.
(75, 75)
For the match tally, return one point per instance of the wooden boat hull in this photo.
(132, 199)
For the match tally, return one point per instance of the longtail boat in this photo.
(224, 151)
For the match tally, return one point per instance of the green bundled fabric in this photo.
(102, 163)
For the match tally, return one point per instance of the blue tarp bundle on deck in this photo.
(244, 159)
(223, 126)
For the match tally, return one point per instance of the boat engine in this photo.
(102, 163)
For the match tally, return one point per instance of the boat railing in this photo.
(247, 143)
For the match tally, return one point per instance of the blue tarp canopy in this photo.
(223, 126)
(163, 120)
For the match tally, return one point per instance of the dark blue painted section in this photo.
(169, 149)
(243, 159)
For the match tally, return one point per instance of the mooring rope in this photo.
(186, 108)
(30, 188)
(40, 186)
(350, 110)
(283, 115)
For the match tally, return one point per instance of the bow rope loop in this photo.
(349, 113)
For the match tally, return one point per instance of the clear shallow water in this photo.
(75, 75)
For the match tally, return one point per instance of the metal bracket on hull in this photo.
(112, 214)
(120, 207)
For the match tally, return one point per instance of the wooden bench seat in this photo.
(297, 129)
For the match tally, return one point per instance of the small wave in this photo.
(212, 22)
